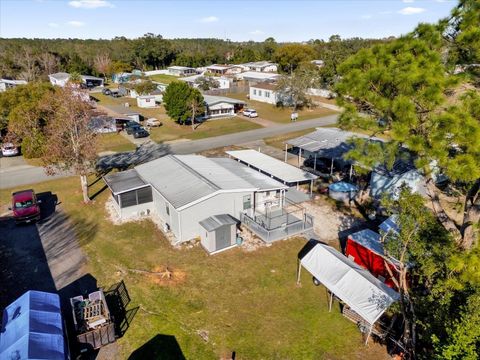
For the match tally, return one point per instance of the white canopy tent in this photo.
(355, 286)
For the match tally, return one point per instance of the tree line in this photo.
(33, 59)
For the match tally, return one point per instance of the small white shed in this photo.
(146, 101)
(218, 232)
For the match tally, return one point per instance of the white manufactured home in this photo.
(191, 194)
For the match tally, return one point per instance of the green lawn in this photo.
(172, 131)
(281, 115)
(114, 142)
(246, 302)
(163, 78)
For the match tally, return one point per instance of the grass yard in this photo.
(114, 142)
(170, 130)
(239, 301)
(281, 115)
(163, 78)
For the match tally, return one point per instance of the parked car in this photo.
(132, 129)
(141, 133)
(8, 149)
(106, 91)
(25, 206)
(152, 122)
(251, 113)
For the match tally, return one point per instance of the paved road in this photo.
(26, 174)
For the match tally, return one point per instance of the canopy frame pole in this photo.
(299, 270)
(286, 151)
(368, 334)
(331, 168)
(351, 171)
(311, 187)
(330, 302)
(315, 162)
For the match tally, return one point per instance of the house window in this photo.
(254, 91)
(167, 209)
(267, 94)
(259, 92)
(247, 202)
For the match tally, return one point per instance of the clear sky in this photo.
(285, 20)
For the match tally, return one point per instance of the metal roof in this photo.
(255, 75)
(327, 142)
(60, 76)
(368, 239)
(90, 77)
(217, 221)
(124, 181)
(184, 179)
(212, 100)
(253, 177)
(271, 166)
(123, 110)
(176, 67)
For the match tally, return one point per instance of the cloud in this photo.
(209, 19)
(90, 4)
(366, 16)
(76, 23)
(408, 1)
(411, 10)
(256, 32)
(385, 12)
(53, 25)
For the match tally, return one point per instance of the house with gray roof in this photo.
(221, 106)
(181, 71)
(184, 191)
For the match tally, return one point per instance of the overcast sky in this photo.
(284, 20)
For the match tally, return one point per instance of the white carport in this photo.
(353, 285)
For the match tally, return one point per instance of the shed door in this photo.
(222, 237)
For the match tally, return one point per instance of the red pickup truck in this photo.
(25, 206)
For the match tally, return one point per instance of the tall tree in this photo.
(404, 83)
(293, 88)
(28, 62)
(71, 144)
(102, 63)
(49, 63)
(290, 56)
(178, 99)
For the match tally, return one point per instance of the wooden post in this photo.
(331, 302)
(299, 269)
(286, 151)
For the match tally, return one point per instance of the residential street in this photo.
(17, 175)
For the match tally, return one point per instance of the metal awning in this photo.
(124, 181)
(276, 168)
(217, 221)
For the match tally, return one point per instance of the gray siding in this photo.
(224, 203)
(161, 210)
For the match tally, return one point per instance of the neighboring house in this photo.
(318, 63)
(181, 71)
(184, 191)
(223, 82)
(121, 78)
(6, 84)
(103, 124)
(391, 182)
(260, 66)
(220, 106)
(256, 77)
(61, 79)
(124, 111)
(146, 101)
(264, 92)
(224, 69)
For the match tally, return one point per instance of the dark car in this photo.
(25, 206)
(132, 129)
(141, 133)
(106, 91)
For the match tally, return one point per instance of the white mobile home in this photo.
(260, 66)
(181, 71)
(220, 106)
(264, 92)
(6, 84)
(146, 101)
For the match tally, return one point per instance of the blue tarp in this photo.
(342, 187)
(32, 328)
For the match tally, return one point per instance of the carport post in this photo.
(351, 169)
(286, 149)
(368, 334)
(331, 302)
(311, 187)
(299, 269)
(299, 155)
(315, 163)
(331, 167)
